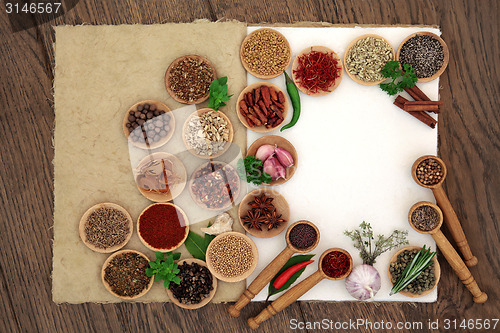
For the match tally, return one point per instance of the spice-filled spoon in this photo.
(448, 251)
(430, 171)
(301, 237)
(326, 270)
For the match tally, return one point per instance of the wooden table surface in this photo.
(469, 141)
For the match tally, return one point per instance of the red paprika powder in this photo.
(335, 264)
(162, 226)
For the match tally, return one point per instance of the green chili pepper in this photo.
(293, 92)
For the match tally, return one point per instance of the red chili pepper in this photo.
(281, 280)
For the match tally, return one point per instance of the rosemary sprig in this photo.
(422, 260)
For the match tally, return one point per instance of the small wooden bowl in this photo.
(280, 142)
(83, 221)
(239, 277)
(295, 249)
(423, 158)
(175, 190)
(279, 203)
(165, 139)
(446, 53)
(179, 211)
(318, 49)
(320, 263)
(235, 194)
(198, 113)
(435, 207)
(108, 287)
(204, 301)
(245, 64)
(262, 128)
(175, 63)
(355, 77)
(437, 272)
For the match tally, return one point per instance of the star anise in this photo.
(262, 203)
(254, 219)
(273, 220)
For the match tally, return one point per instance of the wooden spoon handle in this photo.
(286, 299)
(459, 267)
(261, 281)
(454, 226)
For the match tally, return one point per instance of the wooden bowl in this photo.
(355, 77)
(204, 301)
(279, 203)
(346, 274)
(423, 158)
(446, 53)
(154, 145)
(243, 275)
(152, 248)
(169, 72)
(333, 86)
(175, 190)
(298, 250)
(436, 208)
(198, 113)
(262, 128)
(235, 193)
(280, 142)
(108, 287)
(83, 220)
(437, 272)
(256, 74)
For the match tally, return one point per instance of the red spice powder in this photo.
(162, 226)
(335, 264)
(317, 71)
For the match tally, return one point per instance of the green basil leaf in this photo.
(159, 255)
(177, 280)
(291, 262)
(177, 255)
(166, 283)
(149, 272)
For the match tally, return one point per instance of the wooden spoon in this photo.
(300, 289)
(450, 217)
(449, 253)
(271, 270)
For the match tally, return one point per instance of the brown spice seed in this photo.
(190, 79)
(106, 227)
(266, 52)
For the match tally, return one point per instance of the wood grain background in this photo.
(469, 143)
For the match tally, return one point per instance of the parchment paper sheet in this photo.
(100, 72)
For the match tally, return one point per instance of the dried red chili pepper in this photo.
(317, 71)
(335, 264)
(287, 274)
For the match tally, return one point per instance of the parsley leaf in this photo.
(218, 93)
(251, 169)
(405, 78)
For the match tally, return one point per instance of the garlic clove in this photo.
(273, 167)
(284, 157)
(264, 152)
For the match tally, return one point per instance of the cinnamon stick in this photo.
(417, 94)
(420, 115)
(416, 106)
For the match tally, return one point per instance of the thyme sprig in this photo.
(363, 237)
(422, 260)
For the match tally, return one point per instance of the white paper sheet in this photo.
(355, 152)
